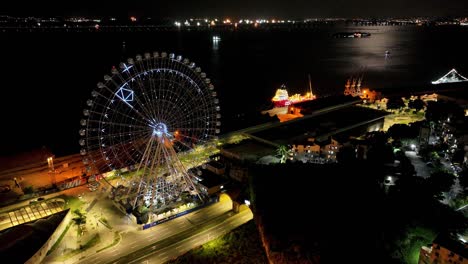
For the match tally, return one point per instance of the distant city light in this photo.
(133, 19)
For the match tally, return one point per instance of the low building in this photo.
(216, 167)
(429, 97)
(239, 173)
(314, 151)
(446, 249)
(370, 96)
(211, 182)
(330, 148)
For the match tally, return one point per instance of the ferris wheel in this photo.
(146, 114)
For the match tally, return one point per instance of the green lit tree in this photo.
(282, 151)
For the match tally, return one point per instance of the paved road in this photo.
(135, 240)
(158, 254)
(422, 170)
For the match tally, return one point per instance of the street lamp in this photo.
(50, 162)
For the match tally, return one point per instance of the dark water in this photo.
(47, 77)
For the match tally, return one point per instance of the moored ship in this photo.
(282, 98)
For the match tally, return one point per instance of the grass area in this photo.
(412, 243)
(403, 118)
(71, 202)
(96, 239)
(116, 240)
(59, 240)
(232, 139)
(242, 245)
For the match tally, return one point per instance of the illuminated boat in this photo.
(352, 35)
(282, 98)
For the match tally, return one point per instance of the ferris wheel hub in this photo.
(160, 129)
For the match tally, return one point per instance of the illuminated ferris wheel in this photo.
(149, 116)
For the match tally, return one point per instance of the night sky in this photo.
(239, 8)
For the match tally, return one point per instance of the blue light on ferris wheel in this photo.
(125, 95)
(127, 68)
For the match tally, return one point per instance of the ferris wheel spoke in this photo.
(119, 134)
(152, 88)
(118, 124)
(141, 83)
(109, 111)
(179, 109)
(197, 109)
(136, 98)
(125, 98)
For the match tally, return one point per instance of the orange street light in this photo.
(50, 162)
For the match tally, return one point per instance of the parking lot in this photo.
(36, 210)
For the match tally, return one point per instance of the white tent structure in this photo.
(451, 77)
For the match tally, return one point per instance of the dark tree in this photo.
(463, 177)
(395, 103)
(439, 182)
(417, 104)
(459, 155)
(399, 131)
(346, 155)
(441, 110)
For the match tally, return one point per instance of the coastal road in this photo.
(181, 244)
(167, 233)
